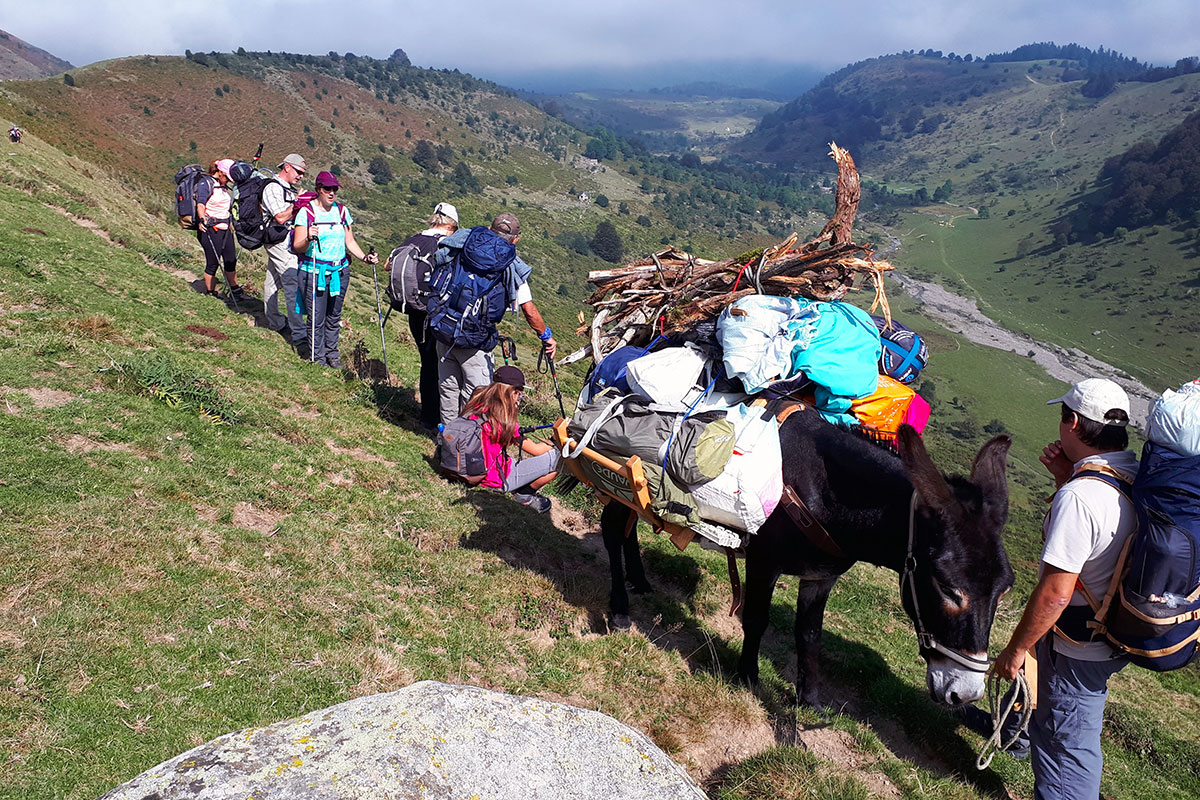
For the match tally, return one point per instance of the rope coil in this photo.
(1016, 698)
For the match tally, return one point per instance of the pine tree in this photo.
(607, 243)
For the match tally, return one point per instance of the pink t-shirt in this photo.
(499, 463)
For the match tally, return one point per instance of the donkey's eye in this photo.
(951, 596)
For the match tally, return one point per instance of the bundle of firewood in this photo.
(673, 291)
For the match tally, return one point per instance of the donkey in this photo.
(893, 509)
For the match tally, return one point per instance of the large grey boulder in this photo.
(430, 741)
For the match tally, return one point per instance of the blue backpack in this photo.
(904, 352)
(1151, 612)
(468, 295)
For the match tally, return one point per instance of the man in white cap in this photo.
(279, 202)
(1090, 518)
(421, 247)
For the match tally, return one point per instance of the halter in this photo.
(925, 638)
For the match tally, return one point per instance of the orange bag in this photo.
(889, 408)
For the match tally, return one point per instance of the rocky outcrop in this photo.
(430, 741)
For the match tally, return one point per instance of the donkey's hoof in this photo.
(620, 621)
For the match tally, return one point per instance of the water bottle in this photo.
(1169, 600)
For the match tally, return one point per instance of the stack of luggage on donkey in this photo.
(710, 452)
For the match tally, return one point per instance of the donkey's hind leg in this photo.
(613, 522)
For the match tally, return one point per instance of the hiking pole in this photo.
(387, 374)
(545, 357)
(508, 349)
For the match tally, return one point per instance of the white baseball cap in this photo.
(447, 210)
(1096, 399)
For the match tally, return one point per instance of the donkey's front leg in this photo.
(810, 617)
(761, 575)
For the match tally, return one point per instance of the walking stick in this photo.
(379, 318)
(548, 360)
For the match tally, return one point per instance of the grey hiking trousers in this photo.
(460, 371)
(280, 285)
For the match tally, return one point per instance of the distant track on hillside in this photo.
(961, 315)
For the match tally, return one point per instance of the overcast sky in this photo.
(502, 41)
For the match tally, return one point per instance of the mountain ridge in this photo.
(20, 60)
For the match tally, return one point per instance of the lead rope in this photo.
(1018, 700)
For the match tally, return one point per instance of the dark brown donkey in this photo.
(941, 535)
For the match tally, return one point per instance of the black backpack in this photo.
(411, 265)
(468, 295)
(186, 180)
(460, 450)
(254, 228)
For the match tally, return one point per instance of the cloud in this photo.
(530, 35)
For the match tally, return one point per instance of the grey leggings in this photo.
(528, 470)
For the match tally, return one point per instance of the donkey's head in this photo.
(958, 569)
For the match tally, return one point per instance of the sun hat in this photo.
(447, 210)
(224, 164)
(1097, 399)
(510, 375)
(295, 159)
(328, 180)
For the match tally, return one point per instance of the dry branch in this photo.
(672, 291)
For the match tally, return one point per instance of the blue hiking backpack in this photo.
(904, 352)
(1151, 612)
(468, 295)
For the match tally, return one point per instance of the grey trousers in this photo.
(324, 320)
(530, 468)
(460, 371)
(279, 287)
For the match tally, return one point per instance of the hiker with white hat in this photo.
(408, 289)
(282, 278)
(214, 229)
(1090, 518)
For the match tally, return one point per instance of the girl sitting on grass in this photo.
(497, 405)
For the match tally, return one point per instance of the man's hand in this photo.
(550, 346)
(1057, 462)
(1009, 663)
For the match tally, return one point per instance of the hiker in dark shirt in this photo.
(443, 223)
(14, 134)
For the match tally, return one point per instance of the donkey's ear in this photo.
(988, 470)
(926, 478)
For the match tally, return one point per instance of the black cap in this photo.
(510, 375)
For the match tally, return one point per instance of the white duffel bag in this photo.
(667, 377)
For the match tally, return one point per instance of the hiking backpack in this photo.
(904, 352)
(186, 180)
(252, 227)
(1151, 611)
(468, 295)
(460, 449)
(410, 266)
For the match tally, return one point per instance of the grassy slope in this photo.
(315, 545)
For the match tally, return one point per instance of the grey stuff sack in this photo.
(699, 450)
(460, 450)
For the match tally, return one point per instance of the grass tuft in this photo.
(178, 386)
